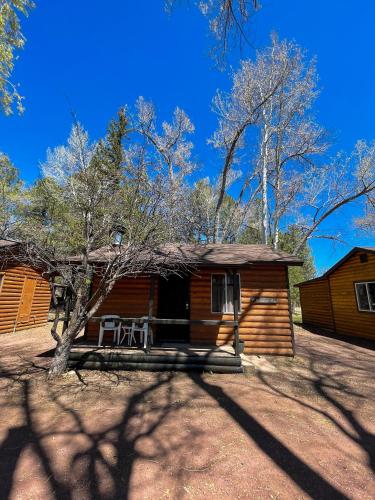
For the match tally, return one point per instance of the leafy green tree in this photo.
(11, 40)
(10, 192)
(288, 241)
(45, 215)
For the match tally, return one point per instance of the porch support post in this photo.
(151, 303)
(235, 313)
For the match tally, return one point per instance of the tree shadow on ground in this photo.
(103, 467)
(332, 389)
(335, 388)
(303, 476)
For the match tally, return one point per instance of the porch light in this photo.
(118, 235)
(59, 292)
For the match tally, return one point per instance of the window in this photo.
(222, 293)
(1, 281)
(365, 293)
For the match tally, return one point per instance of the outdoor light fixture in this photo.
(59, 292)
(118, 235)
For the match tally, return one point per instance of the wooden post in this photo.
(290, 310)
(150, 304)
(235, 314)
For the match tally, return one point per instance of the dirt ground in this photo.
(288, 429)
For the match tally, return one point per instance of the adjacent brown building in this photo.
(343, 299)
(24, 292)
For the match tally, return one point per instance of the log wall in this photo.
(316, 304)
(339, 311)
(265, 328)
(13, 280)
(129, 298)
(348, 320)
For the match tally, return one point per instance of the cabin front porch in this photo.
(168, 341)
(160, 357)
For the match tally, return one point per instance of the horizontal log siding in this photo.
(316, 305)
(265, 328)
(10, 298)
(129, 297)
(348, 320)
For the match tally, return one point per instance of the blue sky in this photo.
(92, 57)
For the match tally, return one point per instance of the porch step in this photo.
(216, 362)
(154, 367)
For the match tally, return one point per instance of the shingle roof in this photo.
(210, 254)
(338, 264)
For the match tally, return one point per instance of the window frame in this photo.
(225, 274)
(370, 310)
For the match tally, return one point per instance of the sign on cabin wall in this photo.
(264, 300)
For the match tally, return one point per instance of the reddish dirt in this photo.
(305, 430)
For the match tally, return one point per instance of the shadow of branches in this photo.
(110, 443)
(339, 398)
(303, 476)
(109, 435)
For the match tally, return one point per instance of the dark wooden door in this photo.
(174, 303)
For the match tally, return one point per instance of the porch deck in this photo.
(161, 357)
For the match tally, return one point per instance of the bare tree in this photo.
(289, 138)
(201, 203)
(89, 191)
(255, 85)
(172, 148)
(328, 188)
(367, 222)
(270, 105)
(294, 150)
(228, 20)
(168, 149)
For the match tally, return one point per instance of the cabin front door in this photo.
(26, 303)
(174, 303)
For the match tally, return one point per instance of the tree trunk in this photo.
(60, 359)
(59, 363)
(276, 230)
(265, 186)
(78, 321)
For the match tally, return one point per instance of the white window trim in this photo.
(371, 310)
(225, 292)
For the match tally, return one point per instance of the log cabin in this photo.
(342, 300)
(24, 292)
(232, 294)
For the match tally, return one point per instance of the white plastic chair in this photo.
(110, 323)
(128, 332)
(144, 331)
